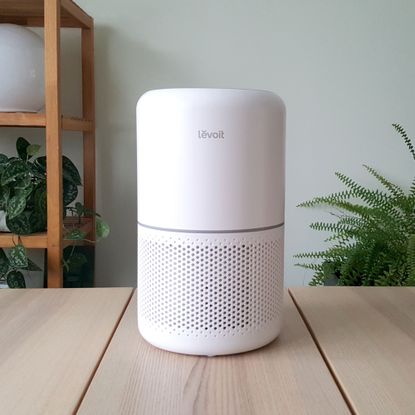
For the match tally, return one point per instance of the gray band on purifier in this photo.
(266, 228)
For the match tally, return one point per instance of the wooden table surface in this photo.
(342, 350)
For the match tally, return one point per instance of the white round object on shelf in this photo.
(22, 86)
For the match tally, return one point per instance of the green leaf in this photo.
(4, 197)
(37, 221)
(18, 257)
(23, 188)
(19, 225)
(40, 165)
(102, 228)
(32, 150)
(4, 263)
(15, 170)
(41, 162)
(75, 262)
(21, 146)
(79, 207)
(16, 206)
(3, 159)
(23, 183)
(89, 212)
(405, 138)
(15, 279)
(75, 235)
(70, 192)
(31, 266)
(41, 201)
(70, 172)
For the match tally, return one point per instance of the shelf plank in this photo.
(37, 240)
(22, 119)
(27, 119)
(40, 240)
(31, 13)
(23, 8)
(37, 21)
(77, 13)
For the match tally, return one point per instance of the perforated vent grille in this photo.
(199, 287)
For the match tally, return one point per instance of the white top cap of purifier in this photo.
(210, 159)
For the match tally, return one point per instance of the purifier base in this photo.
(211, 346)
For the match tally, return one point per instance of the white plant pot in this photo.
(21, 70)
(3, 226)
(33, 279)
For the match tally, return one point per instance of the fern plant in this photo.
(372, 240)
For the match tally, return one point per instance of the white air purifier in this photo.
(210, 219)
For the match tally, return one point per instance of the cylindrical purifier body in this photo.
(210, 187)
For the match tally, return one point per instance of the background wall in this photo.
(346, 71)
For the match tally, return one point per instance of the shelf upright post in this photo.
(52, 10)
(88, 109)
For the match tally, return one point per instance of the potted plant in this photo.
(373, 235)
(23, 207)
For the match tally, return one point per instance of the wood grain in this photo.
(286, 377)
(53, 143)
(38, 21)
(77, 124)
(22, 119)
(26, 119)
(367, 335)
(75, 11)
(31, 12)
(36, 240)
(88, 110)
(50, 344)
(40, 240)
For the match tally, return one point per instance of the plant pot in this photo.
(21, 70)
(332, 281)
(33, 279)
(3, 226)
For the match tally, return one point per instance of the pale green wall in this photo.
(346, 70)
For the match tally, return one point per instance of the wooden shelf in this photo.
(31, 13)
(53, 15)
(28, 119)
(37, 240)
(40, 240)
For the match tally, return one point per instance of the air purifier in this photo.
(210, 181)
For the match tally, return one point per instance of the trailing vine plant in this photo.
(24, 207)
(372, 240)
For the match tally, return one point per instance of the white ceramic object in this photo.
(210, 219)
(21, 70)
(3, 225)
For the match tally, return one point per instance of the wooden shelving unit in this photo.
(54, 15)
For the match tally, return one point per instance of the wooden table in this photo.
(342, 350)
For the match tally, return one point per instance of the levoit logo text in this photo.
(205, 134)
